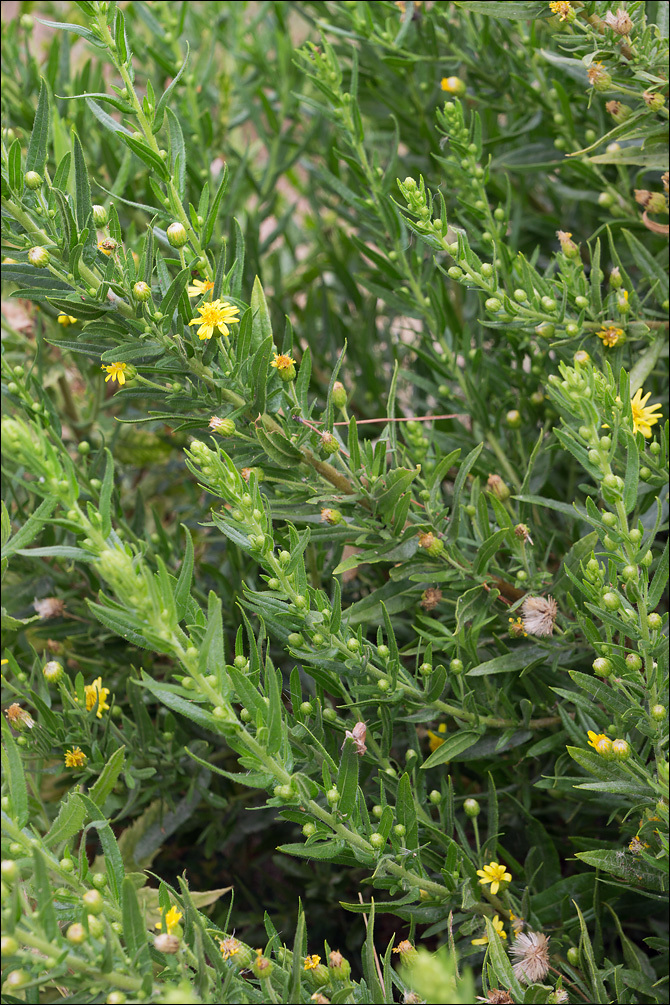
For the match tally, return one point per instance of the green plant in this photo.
(404, 349)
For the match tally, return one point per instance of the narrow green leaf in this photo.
(36, 157)
(69, 821)
(183, 589)
(164, 98)
(134, 928)
(347, 777)
(171, 298)
(105, 506)
(14, 166)
(12, 769)
(44, 896)
(106, 120)
(368, 960)
(208, 229)
(107, 778)
(451, 747)
(83, 203)
(463, 472)
(110, 849)
(259, 372)
(75, 29)
(406, 811)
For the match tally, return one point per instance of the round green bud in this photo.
(39, 257)
(115, 998)
(645, 473)
(333, 796)
(377, 811)
(520, 296)
(52, 671)
(377, 841)
(66, 864)
(383, 685)
(573, 956)
(399, 830)
(306, 707)
(426, 668)
(95, 926)
(241, 662)
(15, 849)
(654, 447)
(245, 715)
(472, 807)
(572, 329)
(17, 979)
(274, 584)
(339, 394)
(611, 601)
(633, 661)
(613, 484)
(391, 772)
(284, 792)
(142, 292)
(630, 573)
(646, 559)
(383, 651)
(513, 419)
(499, 213)
(9, 871)
(8, 945)
(609, 519)
(493, 305)
(353, 645)
(635, 535)
(545, 330)
(456, 666)
(76, 934)
(581, 302)
(522, 575)
(329, 714)
(620, 750)
(602, 666)
(549, 304)
(99, 880)
(309, 830)
(295, 639)
(435, 797)
(454, 272)
(655, 621)
(487, 270)
(100, 216)
(284, 557)
(176, 235)
(33, 180)
(657, 712)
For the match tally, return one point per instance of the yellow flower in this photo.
(282, 362)
(435, 741)
(65, 320)
(611, 336)
(199, 288)
(215, 315)
(516, 629)
(312, 962)
(75, 758)
(107, 246)
(229, 947)
(95, 692)
(18, 717)
(563, 8)
(172, 919)
(406, 951)
(498, 925)
(117, 372)
(495, 874)
(594, 738)
(643, 415)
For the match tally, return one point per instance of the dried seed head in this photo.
(530, 951)
(539, 615)
(49, 607)
(430, 598)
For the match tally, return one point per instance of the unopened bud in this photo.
(100, 216)
(620, 750)
(654, 100)
(52, 671)
(142, 292)
(176, 235)
(619, 111)
(166, 943)
(433, 545)
(497, 486)
(33, 180)
(329, 444)
(472, 807)
(339, 394)
(39, 257)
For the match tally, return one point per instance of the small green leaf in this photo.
(36, 156)
(347, 777)
(107, 778)
(451, 747)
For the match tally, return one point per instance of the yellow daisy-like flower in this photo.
(594, 738)
(65, 320)
(495, 874)
(563, 8)
(96, 692)
(516, 629)
(643, 415)
(217, 315)
(198, 288)
(229, 947)
(611, 336)
(435, 741)
(312, 962)
(172, 919)
(104, 246)
(282, 362)
(117, 372)
(75, 758)
(498, 925)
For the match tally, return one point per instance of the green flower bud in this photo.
(9, 871)
(611, 601)
(377, 841)
(493, 305)
(76, 934)
(520, 296)
(383, 651)
(17, 979)
(602, 666)
(513, 419)
(456, 666)
(633, 661)
(33, 180)
(176, 235)
(142, 292)
(620, 750)
(657, 712)
(39, 257)
(399, 830)
(426, 669)
(295, 639)
(573, 956)
(645, 473)
(353, 645)
(545, 330)
(339, 395)
(435, 797)
(52, 671)
(655, 621)
(329, 444)
(472, 807)
(333, 796)
(309, 830)
(100, 216)
(339, 968)
(8, 945)
(306, 707)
